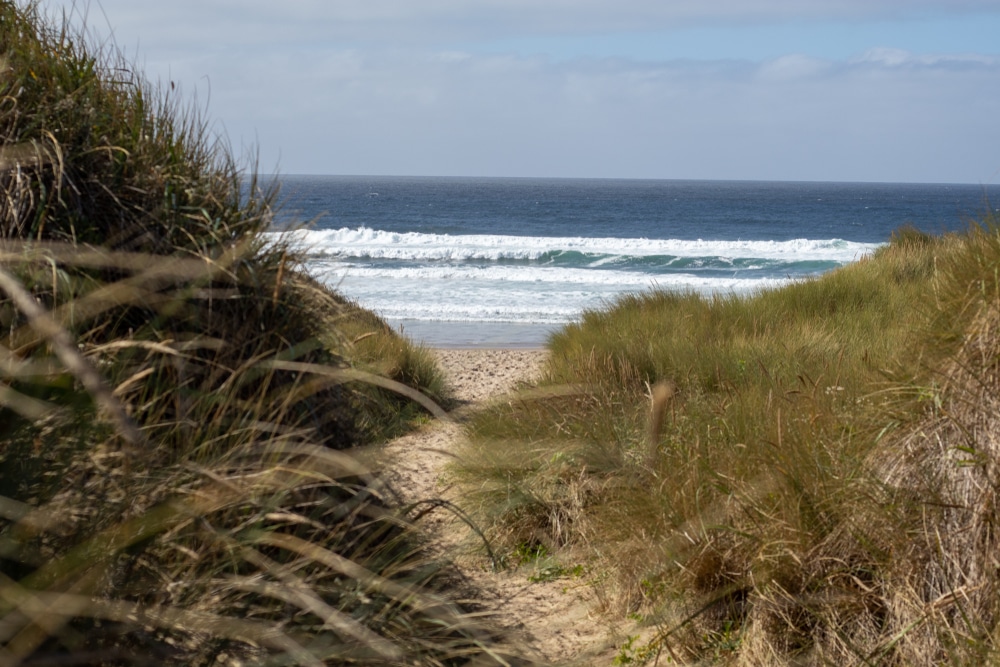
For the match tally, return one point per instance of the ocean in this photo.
(502, 262)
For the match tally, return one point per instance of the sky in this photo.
(801, 90)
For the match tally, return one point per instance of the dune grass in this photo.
(803, 475)
(176, 399)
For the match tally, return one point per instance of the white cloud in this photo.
(412, 114)
(886, 57)
(265, 22)
(361, 86)
(793, 67)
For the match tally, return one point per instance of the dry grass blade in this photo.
(410, 595)
(64, 347)
(319, 460)
(66, 605)
(14, 510)
(355, 375)
(144, 288)
(70, 254)
(28, 519)
(659, 399)
(25, 369)
(296, 592)
(23, 155)
(26, 406)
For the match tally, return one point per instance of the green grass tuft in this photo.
(755, 473)
(176, 399)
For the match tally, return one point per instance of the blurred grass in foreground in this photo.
(175, 398)
(803, 476)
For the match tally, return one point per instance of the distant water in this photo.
(502, 262)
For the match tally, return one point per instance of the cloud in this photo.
(793, 67)
(887, 57)
(411, 22)
(393, 87)
(792, 118)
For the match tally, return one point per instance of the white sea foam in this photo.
(493, 273)
(504, 275)
(483, 278)
(377, 244)
(454, 296)
(452, 312)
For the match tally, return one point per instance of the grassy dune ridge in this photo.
(805, 475)
(176, 396)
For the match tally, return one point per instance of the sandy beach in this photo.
(553, 620)
(476, 375)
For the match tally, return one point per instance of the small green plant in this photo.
(626, 652)
(652, 589)
(554, 571)
(525, 553)
(629, 653)
(723, 642)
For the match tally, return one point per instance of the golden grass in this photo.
(802, 475)
(176, 396)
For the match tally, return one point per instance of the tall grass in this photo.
(733, 468)
(175, 398)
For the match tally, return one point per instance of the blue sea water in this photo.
(501, 262)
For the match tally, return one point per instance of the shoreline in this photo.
(475, 335)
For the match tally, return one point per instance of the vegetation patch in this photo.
(802, 474)
(177, 397)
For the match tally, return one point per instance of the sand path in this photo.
(553, 619)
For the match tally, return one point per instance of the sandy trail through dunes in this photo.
(554, 619)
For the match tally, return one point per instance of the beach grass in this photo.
(799, 476)
(178, 399)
